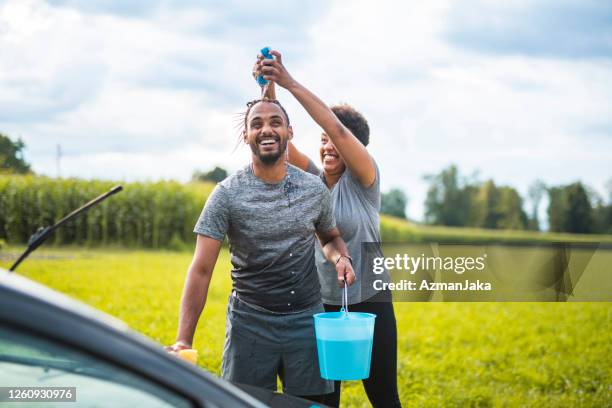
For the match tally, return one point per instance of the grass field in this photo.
(399, 230)
(450, 354)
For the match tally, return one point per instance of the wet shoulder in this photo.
(236, 180)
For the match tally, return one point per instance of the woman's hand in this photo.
(349, 147)
(274, 70)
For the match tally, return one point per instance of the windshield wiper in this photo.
(43, 233)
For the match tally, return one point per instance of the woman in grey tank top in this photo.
(351, 174)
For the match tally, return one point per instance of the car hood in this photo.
(36, 291)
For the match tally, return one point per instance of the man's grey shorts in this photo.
(259, 345)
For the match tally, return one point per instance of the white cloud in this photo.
(431, 104)
(150, 91)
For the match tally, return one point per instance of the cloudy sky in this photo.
(150, 89)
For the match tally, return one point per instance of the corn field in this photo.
(147, 215)
(162, 215)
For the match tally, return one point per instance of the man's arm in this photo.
(268, 91)
(296, 157)
(335, 251)
(350, 148)
(196, 289)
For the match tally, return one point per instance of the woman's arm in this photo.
(297, 158)
(349, 147)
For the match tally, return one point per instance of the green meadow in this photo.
(450, 354)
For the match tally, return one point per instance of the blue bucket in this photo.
(344, 344)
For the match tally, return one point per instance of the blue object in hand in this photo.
(265, 51)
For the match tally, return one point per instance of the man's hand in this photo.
(257, 66)
(178, 346)
(267, 91)
(274, 70)
(345, 271)
(334, 247)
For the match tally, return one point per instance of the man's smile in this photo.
(268, 141)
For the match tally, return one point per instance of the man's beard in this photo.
(269, 158)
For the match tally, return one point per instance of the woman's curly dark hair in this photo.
(354, 121)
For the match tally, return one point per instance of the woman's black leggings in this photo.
(381, 386)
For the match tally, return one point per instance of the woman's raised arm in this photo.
(348, 146)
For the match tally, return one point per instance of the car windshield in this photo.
(28, 361)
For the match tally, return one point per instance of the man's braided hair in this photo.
(240, 123)
(256, 101)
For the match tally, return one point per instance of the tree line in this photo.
(452, 199)
(458, 201)
(11, 156)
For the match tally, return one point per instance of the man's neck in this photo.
(270, 173)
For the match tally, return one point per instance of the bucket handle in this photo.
(344, 307)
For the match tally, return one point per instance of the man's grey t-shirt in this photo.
(356, 210)
(271, 231)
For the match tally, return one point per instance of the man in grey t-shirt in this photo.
(270, 212)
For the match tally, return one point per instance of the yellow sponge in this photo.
(190, 355)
